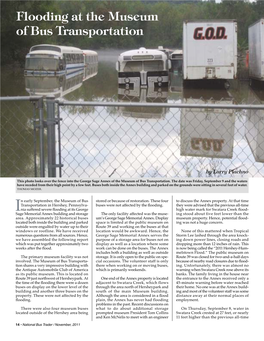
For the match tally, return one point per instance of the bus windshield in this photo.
(177, 64)
(133, 67)
(153, 65)
(44, 64)
(45, 47)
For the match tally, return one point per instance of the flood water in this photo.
(134, 141)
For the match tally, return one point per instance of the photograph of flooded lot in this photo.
(185, 99)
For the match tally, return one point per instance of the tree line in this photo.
(167, 31)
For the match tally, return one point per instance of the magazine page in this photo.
(132, 150)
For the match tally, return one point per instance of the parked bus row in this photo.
(209, 53)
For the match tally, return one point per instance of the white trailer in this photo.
(255, 125)
(256, 50)
(255, 133)
(210, 49)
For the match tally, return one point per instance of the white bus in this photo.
(90, 57)
(90, 71)
(53, 60)
(176, 61)
(144, 66)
